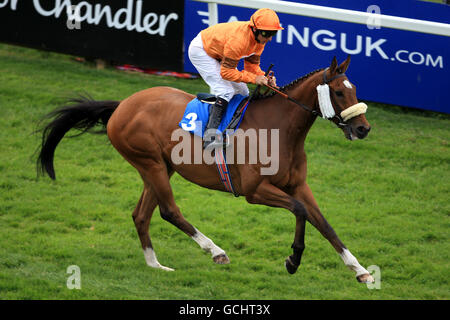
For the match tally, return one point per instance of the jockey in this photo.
(215, 52)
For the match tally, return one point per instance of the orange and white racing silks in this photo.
(217, 50)
(231, 42)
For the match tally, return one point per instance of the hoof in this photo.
(166, 268)
(159, 266)
(290, 266)
(221, 259)
(365, 278)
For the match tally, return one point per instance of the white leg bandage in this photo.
(352, 263)
(152, 261)
(206, 244)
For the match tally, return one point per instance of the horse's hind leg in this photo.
(157, 176)
(141, 217)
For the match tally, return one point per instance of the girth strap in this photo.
(224, 172)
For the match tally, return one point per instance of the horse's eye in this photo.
(339, 93)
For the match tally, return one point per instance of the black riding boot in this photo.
(215, 116)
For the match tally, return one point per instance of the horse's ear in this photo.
(333, 66)
(344, 65)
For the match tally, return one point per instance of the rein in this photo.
(341, 123)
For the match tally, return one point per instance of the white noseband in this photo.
(354, 111)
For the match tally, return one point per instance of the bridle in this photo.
(340, 121)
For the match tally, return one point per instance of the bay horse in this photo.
(140, 128)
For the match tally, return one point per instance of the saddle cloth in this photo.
(196, 115)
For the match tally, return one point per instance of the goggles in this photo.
(267, 33)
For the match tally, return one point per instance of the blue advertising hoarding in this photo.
(389, 66)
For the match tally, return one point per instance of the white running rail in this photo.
(386, 21)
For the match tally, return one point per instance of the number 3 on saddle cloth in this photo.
(196, 117)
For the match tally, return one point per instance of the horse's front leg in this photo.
(293, 261)
(304, 194)
(270, 195)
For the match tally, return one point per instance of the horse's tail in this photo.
(83, 113)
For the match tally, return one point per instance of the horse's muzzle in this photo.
(358, 128)
(356, 131)
(362, 131)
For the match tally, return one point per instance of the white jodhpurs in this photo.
(209, 70)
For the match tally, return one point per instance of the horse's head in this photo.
(348, 113)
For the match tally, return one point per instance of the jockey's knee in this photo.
(227, 90)
(226, 95)
(242, 89)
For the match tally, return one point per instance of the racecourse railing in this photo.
(367, 18)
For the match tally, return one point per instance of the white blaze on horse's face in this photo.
(347, 84)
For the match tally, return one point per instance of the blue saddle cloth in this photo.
(196, 116)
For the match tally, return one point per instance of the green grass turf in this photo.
(386, 197)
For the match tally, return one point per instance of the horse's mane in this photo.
(288, 86)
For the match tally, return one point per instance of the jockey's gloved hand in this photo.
(262, 80)
(272, 81)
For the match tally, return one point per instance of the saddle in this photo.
(206, 97)
(195, 118)
(196, 114)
